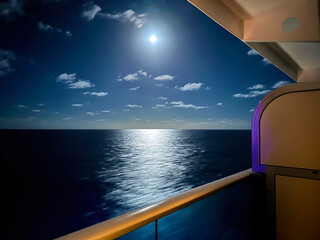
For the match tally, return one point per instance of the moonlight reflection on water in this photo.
(76, 178)
(147, 166)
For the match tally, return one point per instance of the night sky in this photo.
(91, 65)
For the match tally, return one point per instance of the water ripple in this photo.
(149, 166)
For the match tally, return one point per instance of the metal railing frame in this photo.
(128, 222)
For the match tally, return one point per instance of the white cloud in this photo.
(68, 33)
(165, 77)
(160, 106)
(158, 85)
(208, 88)
(98, 94)
(143, 73)
(133, 76)
(119, 78)
(6, 57)
(257, 86)
(77, 105)
(21, 106)
(180, 104)
(134, 88)
(10, 8)
(92, 113)
(162, 98)
(134, 106)
(191, 86)
(101, 120)
(40, 104)
(252, 109)
(90, 10)
(80, 84)
(219, 104)
(280, 84)
(4, 63)
(46, 27)
(251, 94)
(252, 52)
(105, 111)
(67, 118)
(128, 16)
(265, 61)
(36, 110)
(68, 78)
(126, 110)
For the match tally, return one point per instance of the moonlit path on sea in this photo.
(65, 180)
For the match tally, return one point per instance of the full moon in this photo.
(153, 38)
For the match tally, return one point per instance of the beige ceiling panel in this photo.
(309, 75)
(307, 54)
(269, 26)
(220, 13)
(286, 32)
(252, 8)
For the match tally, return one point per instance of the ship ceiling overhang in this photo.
(286, 32)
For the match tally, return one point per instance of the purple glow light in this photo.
(256, 167)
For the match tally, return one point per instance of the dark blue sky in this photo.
(85, 64)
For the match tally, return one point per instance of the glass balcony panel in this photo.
(225, 215)
(146, 232)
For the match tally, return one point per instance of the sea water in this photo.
(58, 181)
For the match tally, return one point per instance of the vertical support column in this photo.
(271, 203)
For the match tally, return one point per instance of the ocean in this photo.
(58, 181)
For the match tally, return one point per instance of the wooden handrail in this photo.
(131, 221)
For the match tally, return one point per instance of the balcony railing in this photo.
(217, 215)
